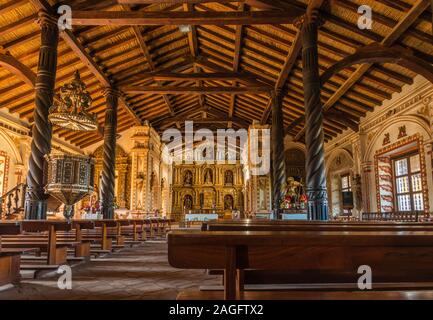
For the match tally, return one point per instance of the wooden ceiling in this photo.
(219, 75)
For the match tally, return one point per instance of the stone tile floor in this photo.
(141, 272)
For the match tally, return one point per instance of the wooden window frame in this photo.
(409, 174)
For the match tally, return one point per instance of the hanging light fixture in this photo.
(69, 110)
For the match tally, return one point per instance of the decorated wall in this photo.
(401, 126)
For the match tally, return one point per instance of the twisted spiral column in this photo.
(314, 137)
(278, 164)
(36, 199)
(109, 156)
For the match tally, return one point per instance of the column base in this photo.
(277, 214)
(107, 212)
(35, 209)
(317, 205)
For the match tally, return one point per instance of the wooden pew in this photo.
(83, 249)
(278, 225)
(331, 256)
(105, 238)
(139, 229)
(10, 258)
(262, 277)
(56, 250)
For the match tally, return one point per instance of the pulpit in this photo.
(70, 179)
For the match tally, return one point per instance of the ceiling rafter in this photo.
(399, 29)
(87, 59)
(290, 61)
(237, 58)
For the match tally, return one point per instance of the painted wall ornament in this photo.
(386, 139)
(402, 132)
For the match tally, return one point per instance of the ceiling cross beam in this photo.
(290, 61)
(140, 18)
(87, 59)
(145, 51)
(399, 29)
(236, 59)
(164, 90)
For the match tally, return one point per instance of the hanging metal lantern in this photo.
(70, 179)
(70, 107)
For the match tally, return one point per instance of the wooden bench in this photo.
(278, 225)
(56, 250)
(328, 256)
(312, 295)
(10, 258)
(260, 277)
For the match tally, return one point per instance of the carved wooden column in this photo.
(36, 198)
(314, 137)
(109, 158)
(279, 164)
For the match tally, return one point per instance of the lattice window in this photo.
(408, 183)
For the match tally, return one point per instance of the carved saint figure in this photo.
(228, 177)
(187, 202)
(228, 202)
(188, 178)
(208, 176)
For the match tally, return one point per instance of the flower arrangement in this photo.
(93, 208)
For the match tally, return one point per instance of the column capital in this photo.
(46, 19)
(312, 16)
(110, 91)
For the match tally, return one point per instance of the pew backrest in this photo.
(10, 228)
(307, 256)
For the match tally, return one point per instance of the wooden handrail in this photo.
(12, 199)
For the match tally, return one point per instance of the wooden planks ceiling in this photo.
(245, 61)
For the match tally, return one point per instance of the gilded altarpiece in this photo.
(207, 187)
(123, 175)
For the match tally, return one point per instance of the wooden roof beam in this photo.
(399, 29)
(174, 1)
(194, 90)
(145, 50)
(137, 18)
(15, 67)
(13, 4)
(290, 61)
(202, 76)
(236, 59)
(86, 58)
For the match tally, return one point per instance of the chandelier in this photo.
(69, 110)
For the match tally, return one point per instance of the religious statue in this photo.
(208, 176)
(188, 202)
(228, 177)
(187, 180)
(228, 202)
